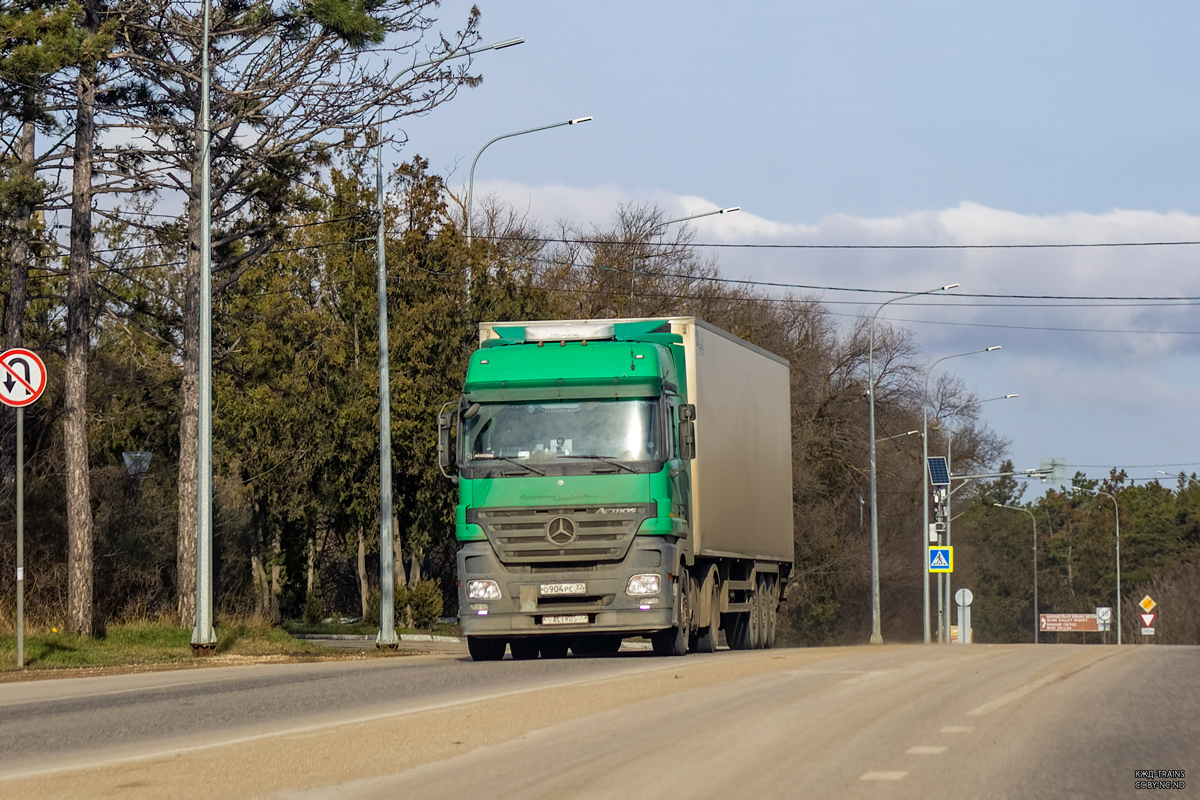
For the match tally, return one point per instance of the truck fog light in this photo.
(483, 590)
(646, 583)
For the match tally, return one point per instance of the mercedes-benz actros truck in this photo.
(617, 479)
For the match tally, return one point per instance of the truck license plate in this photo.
(550, 589)
(565, 619)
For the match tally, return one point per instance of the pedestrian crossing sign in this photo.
(941, 559)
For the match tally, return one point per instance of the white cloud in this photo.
(1099, 331)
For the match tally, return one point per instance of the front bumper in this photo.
(525, 607)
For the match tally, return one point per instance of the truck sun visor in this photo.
(573, 332)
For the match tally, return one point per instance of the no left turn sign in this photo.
(22, 377)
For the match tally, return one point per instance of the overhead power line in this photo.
(773, 246)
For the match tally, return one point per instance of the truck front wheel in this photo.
(485, 649)
(674, 641)
(704, 640)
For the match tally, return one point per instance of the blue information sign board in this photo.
(941, 559)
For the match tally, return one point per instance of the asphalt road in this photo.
(1013, 721)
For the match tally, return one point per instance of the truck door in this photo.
(681, 472)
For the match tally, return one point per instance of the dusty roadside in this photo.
(338, 650)
(334, 753)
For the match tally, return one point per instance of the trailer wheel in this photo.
(523, 649)
(770, 612)
(485, 649)
(705, 639)
(766, 612)
(754, 623)
(674, 641)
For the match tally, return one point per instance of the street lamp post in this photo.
(1035, 597)
(471, 178)
(633, 277)
(925, 481)
(204, 637)
(876, 632)
(387, 580)
(949, 515)
(1117, 516)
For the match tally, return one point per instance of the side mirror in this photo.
(687, 439)
(687, 412)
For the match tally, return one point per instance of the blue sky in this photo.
(893, 124)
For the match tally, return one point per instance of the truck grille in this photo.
(547, 535)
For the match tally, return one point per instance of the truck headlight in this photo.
(483, 590)
(646, 583)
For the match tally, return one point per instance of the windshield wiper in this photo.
(523, 466)
(606, 460)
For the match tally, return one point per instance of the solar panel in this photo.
(939, 473)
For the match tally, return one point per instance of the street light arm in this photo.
(471, 178)
(898, 436)
(929, 372)
(981, 402)
(730, 210)
(470, 51)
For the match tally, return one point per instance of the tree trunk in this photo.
(18, 281)
(262, 591)
(276, 578)
(79, 509)
(311, 583)
(364, 589)
(397, 556)
(189, 414)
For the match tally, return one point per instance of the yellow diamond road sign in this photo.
(1148, 604)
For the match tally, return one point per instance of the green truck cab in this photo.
(582, 514)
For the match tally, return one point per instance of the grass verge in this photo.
(150, 643)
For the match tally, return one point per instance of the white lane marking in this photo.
(927, 750)
(958, 729)
(883, 776)
(1016, 694)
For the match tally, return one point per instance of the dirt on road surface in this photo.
(334, 753)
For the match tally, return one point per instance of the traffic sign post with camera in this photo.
(22, 380)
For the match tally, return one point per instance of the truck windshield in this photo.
(563, 432)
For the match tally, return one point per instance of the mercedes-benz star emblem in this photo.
(560, 531)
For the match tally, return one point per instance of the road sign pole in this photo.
(22, 381)
(20, 538)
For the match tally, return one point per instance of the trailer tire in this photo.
(737, 630)
(485, 649)
(771, 612)
(762, 601)
(524, 649)
(754, 620)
